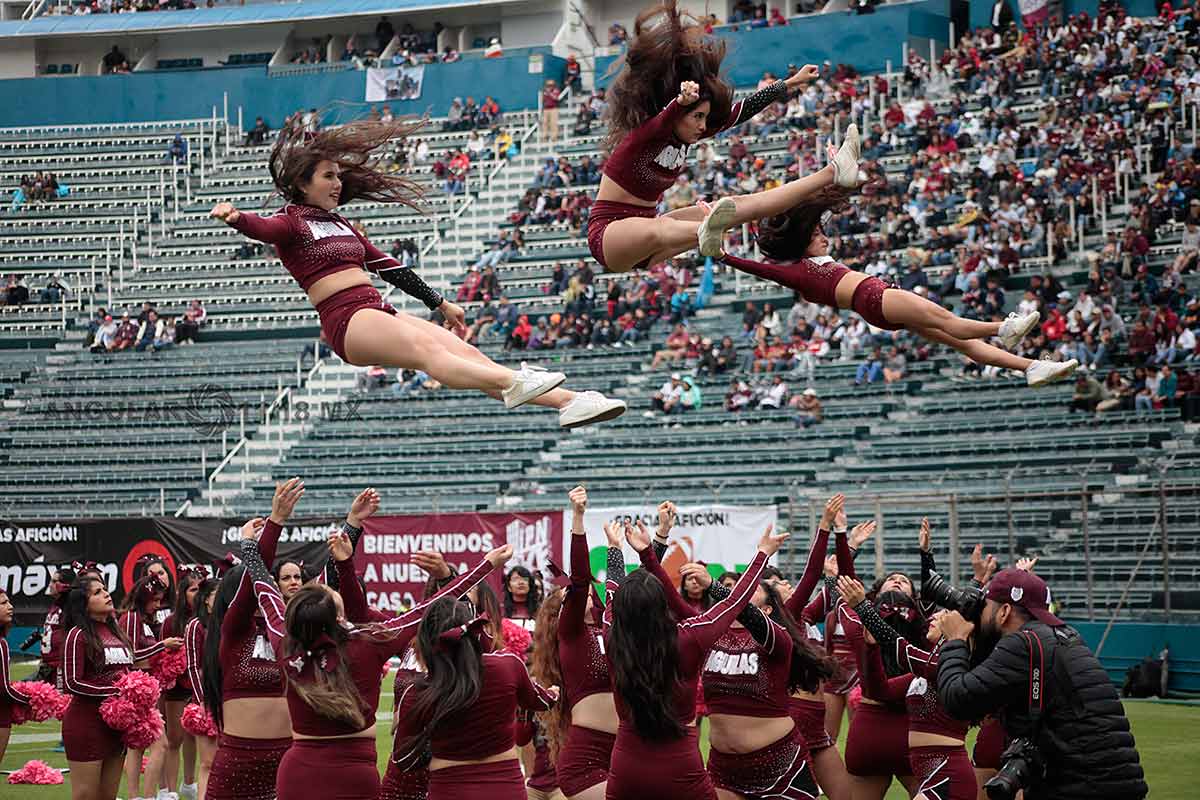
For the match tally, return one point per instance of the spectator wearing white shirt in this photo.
(106, 336)
(1085, 305)
(668, 396)
(775, 395)
(770, 325)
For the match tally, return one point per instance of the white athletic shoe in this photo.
(530, 383)
(589, 407)
(712, 231)
(845, 164)
(1015, 328)
(189, 791)
(1039, 373)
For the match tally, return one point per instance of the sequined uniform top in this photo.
(52, 654)
(917, 688)
(697, 635)
(746, 678)
(488, 726)
(314, 243)
(87, 679)
(824, 608)
(816, 278)
(647, 161)
(145, 635)
(248, 665)
(193, 647)
(580, 644)
(8, 695)
(365, 651)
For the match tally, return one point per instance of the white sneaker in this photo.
(1015, 327)
(530, 383)
(189, 791)
(845, 164)
(1039, 373)
(589, 407)
(712, 231)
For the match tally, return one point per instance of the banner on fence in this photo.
(394, 83)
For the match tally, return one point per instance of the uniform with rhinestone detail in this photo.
(816, 279)
(90, 682)
(672, 769)
(945, 772)
(314, 243)
(586, 753)
(397, 783)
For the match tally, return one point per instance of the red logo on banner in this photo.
(143, 548)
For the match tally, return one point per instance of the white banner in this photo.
(394, 83)
(723, 537)
(1034, 12)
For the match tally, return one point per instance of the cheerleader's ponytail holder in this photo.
(323, 653)
(448, 639)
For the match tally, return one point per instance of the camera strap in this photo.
(1037, 681)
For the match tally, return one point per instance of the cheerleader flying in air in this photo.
(799, 250)
(668, 96)
(331, 261)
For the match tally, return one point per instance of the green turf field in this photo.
(1166, 736)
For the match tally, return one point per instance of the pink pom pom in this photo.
(134, 711)
(167, 666)
(855, 697)
(516, 639)
(45, 702)
(197, 721)
(36, 772)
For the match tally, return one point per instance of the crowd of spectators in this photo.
(147, 331)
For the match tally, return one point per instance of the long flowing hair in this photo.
(226, 591)
(142, 590)
(453, 672)
(356, 148)
(669, 47)
(5, 627)
(312, 614)
(77, 609)
(141, 568)
(532, 600)
(184, 611)
(203, 592)
(643, 651)
(785, 237)
(809, 666)
(547, 669)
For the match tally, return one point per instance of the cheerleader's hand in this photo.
(364, 505)
(689, 93)
(173, 643)
(226, 213)
(432, 562)
(637, 536)
(851, 591)
(456, 318)
(500, 556)
(253, 529)
(697, 571)
(806, 74)
(614, 533)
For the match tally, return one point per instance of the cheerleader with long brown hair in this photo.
(668, 95)
(9, 696)
(333, 264)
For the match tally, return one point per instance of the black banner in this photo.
(30, 552)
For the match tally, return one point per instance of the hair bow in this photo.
(560, 578)
(83, 566)
(450, 638)
(224, 564)
(151, 587)
(323, 653)
(907, 613)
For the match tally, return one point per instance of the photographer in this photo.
(1067, 731)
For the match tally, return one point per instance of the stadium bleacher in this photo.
(85, 434)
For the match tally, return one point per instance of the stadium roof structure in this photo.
(203, 18)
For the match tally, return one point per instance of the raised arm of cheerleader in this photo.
(639, 540)
(365, 504)
(909, 657)
(277, 229)
(572, 620)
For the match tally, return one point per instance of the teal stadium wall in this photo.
(191, 94)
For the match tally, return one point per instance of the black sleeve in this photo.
(753, 105)
(752, 618)
(329, 575)
(616, 566)
(928, 566)
(660, 548)
(409, 282)
(974, 693)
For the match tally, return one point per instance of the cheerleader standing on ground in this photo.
(331, 262)
(96, 654)
(51, 648)
(243, 682)
(8, 695)
(194, 634)
(175, 698)
(668, 96)
(655, 662)
(795, 236)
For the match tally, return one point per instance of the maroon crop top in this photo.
(580, 644)
(193, 647)
(917, 690)
(745, 678)
(83, 678)
(8, 695)
(697, 634)
(816, 278)
(365, 652)
(651, 157)
(145, 636)
(487, 727)
(248, 664)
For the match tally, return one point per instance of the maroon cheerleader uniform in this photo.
(816, 279)
(945, 771)
(643, 769)
(586, 754)
(397, 783)
(487, 728)
(194, 636)
(244, 768)
(647, 161)
(181, 690)
(339, 765)
(9, 696)
(877, 743)
(313, 243)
